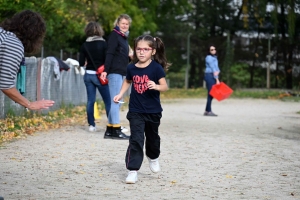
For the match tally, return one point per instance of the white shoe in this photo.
(132, 177)
(123, 129)
(92, 128)
(154, 165)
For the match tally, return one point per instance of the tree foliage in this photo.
(239, 30)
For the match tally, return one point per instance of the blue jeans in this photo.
(210, 81)
(115, 82)
(91, 83)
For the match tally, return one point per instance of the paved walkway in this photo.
(250, 151)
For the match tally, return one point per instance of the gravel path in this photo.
(250, 151)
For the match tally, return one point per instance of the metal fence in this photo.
(41, 83)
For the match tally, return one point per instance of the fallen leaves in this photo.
(20, 126)
(228, 176)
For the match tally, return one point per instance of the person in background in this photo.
(146, 75)
(211, 76)
(93, 51)
(22, 33)
(117, 59)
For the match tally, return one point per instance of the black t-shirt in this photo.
(142, 99)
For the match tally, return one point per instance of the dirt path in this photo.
(250, 151)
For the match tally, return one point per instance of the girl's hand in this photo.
(117, 98)
(152, 85)
(218, 82)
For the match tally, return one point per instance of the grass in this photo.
(239, 93)
(13, 126)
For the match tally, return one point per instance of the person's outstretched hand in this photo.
(41, 104)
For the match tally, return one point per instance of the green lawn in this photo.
(240, 93)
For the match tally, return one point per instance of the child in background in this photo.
(146, 74)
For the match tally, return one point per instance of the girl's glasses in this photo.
(212, 49)
(143, 49)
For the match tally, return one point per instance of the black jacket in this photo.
(117, 54)
(97, 50)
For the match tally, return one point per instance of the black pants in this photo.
(141, 126)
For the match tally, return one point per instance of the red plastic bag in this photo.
(100, 69)
(98, 73)
(220, 91)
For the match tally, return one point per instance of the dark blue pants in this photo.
(92, 83)
(141, 126)
(210, 81)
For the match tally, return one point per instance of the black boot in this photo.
(118, 134)
(1, 198)
(107, 134)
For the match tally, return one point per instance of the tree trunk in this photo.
(276, 71)
(284, 47)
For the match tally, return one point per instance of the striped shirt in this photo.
(11, 54)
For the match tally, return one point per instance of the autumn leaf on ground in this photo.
(228, 176)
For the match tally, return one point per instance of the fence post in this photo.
(186, 85)
(38, 80)
(42, 52)
(61, 54)
(269, 62)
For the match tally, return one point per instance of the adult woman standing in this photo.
(93, 51)
(211, 76)
(117, 59)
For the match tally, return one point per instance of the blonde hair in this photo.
(122, 16)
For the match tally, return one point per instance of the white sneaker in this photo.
(123, 129)
(92, 128)
(154, 165)
(132, 177)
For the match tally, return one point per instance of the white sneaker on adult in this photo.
(132, 177)
(92, 128)
(123, 129)
(154, 165)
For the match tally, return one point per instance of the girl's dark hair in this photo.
(208, 50)
(93, 29)
(29, 27)
(154, 43)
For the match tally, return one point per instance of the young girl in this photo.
(146, 74)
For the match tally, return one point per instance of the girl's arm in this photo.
(124, 88)
(162, 86)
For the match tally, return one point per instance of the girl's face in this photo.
(124, 25)
(144, 52)
(212, 50)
